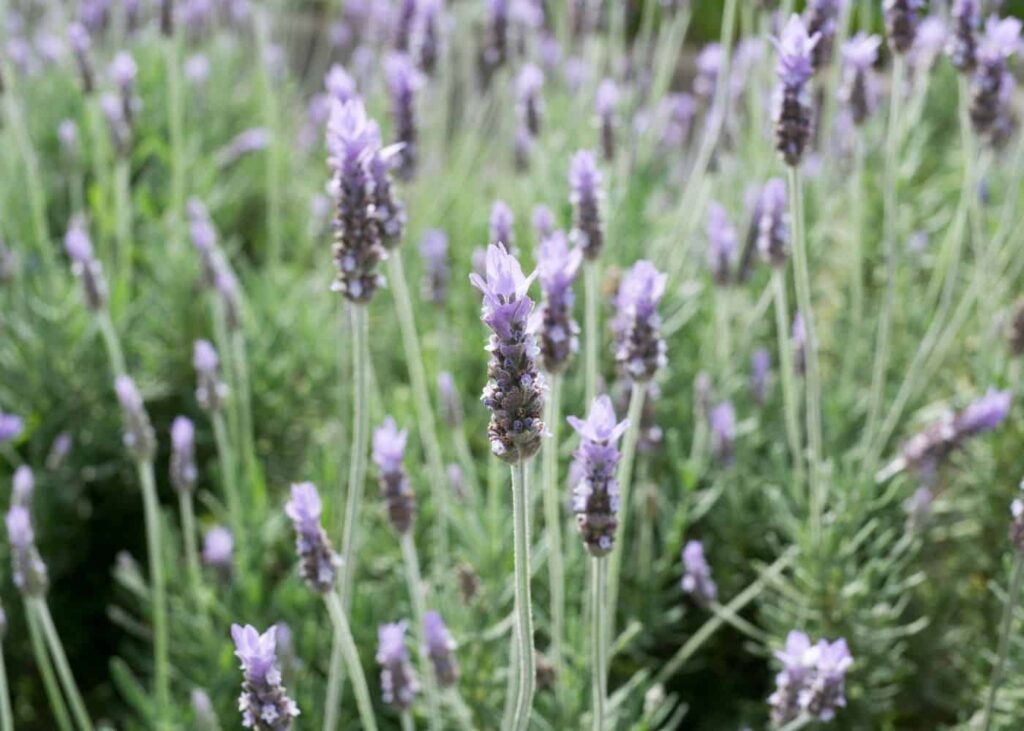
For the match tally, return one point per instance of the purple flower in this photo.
(211, 391)
(992, 85)
(858, 88)
(722, 421)
(983, 414)
(678, 109)
(340, 85)
(318, 563)
(30, 575)
(918, 507)
(722, 243)
(437, 269)
(640, 350)
(441, 649)
(929, 43)
(793, 112)
(1017, 521)
(902, 18)
(770, 223)
(557, 267)
(822, 17)
(963, 41)
(709, 63)
(67, 134)
(595, 497)
(246, 142)
(760, 374)
(138, 433)
(59, 451)
(790, 681)
(388, 211)
(585, 196)
(388, 452)
(799, 343)
(117, 122)
(529, 102)
(123, 71)
(398, 681)
(404, 81)
(197, 69)
(543, 221)
(81, 46)
(514, 391)
(605, 103)
(202, 711)
(218, 549)
(85, 266)
(183, 462)
(824, 690)
(697, 581)
(502, 227)
(430, 35)
(23, 485)
(264, 702)
(11, 425)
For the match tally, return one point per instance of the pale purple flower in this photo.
(117, 123)
(437, 271)
(858, 88)
(709, 63)
(770, 222)
(264, 702)
(722, 420)
(585, 196)
(11, 425)
(183, 461)
(441, 649)
(963, 41)
(85, 266)
(388, 452)
(760, 374)
(543, 221)
(29, 571)
(219, 549)
(246, 142)
(722, 243)
(138, 433)
(197, 69)
(640, 350)
(123, 71)
(678, 109)
(697, 581)
(824, 692)
(791, 680)
(340, 85)
(59, 451)
(202, 711)
(984, 414)
(211, 391)
(793, 112)
(404, 16)
(502, 227)
(399, 685)
(496, 40)
(404, 82)
(929, 44)
(67, 135)
(431, 12)
(529, 101)
(23, 485)
(557, 268)
(318, 563)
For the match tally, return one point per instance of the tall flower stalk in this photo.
(514, 396)
(588, 234)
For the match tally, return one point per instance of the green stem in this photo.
(343, 636)
(268, 103)
(812, 378)
(189, 537)
(67, 678)
(1004, 640)
(553, 519)
(786, 368)
(421, 399)
(240, 362)
(57, 704)
(462, 711)
(511, 682)
(407, 722)
(123, 229)
(723, 346)
(112, 343)
(151, 507)
(357, 457)
(176, 125)
(598, 640)
(419, 604)
(592, 281)
(857, 245)
(335, 681)
(229, 474)
(6, 714)
(524, 610)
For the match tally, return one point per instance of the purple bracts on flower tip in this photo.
(606, 102)
(404, 81)
(399, 685)
(183, 462)
(264, 702)
(84, 264)
(640, 350)
(388, 452)
(811, 680)
(722, 243)
(218, 549)
(858, 88)
(529, 101)
(515, 388)
(902, 18)
(992, 85)
(792, 109)
(557, 267)
(585, 195)
(963, 41)
(595, 497)
(441, 649)
(339, 84)
(138, 433)
(437, 271)
(722, 420)
(697, 581)
(30, 575)
(318, 563)
(11, 426)
(502, 227)
(210, 390)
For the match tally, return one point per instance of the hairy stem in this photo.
(343, 636)
(553, 519)
(6, 715)
(523, 608)
(419, 605)
(161, 663)
(786, 368)
(357, 457)
(60, 659)
(598, 640)
(57, 705)
(592, 336)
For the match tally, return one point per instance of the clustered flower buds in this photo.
(515, 389)
(722, 421)
(722, 243)
(812, 679)
(770, 225)
(858, 89)
(585, 196)
(318, 563)
(211, 391)
(963, 41)
(595, 497)
(437, 271)
(697, 581)
(264, 702)
(607, 121)
(183, 460)
(991, 111)
(388, 453)
(640, 350)
(822, 18)
(557, 267)
(902, 18)
(404, 81)
(81, 46)
(85, 265)
(440, 649)
(30, 575)
(138, 433)
(793, 111)
(398, 681)
(529, 102)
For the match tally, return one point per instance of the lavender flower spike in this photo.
(529, 101)
(771, 222)
(11, 426)
(388, 453)
(22, 486)
(793, 113)
(902, 18)
(697, 581)
(399, 685)
(210, 390)
(138, 433)
(318, 563)
(722, 420)
(264, 702)
(963, 41)
(84, 264)
(760, 373)
(218, 549)
(30, 575)
(606, 102)
(585, 196)
(557, 267)
(441, 649)
(640, 350)
(404, 81)
(595, 498)
(515, 389)
(543, 221)
(722, 243)
(437, 272)
(822, 18)
(858, 90)
(983, 414)
(81, 46)
(992, 106)
(502, 227)
(825, 691)
(790, 681)
(123, 72)
(183, 462)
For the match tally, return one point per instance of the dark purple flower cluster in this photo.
(793, 111)
(640, 350)
(85, 265)
(926, 450)
(264, 702)
(697, 581)
(404, 81)
(992, 113)
(769, 223)
(515, 388)
(585, 196)
(963, 41)
(440, 649)
(822, 18)
(398, 681)
(858, 88)
(595, 496)
(183, 459)
(557, 267)
(902, 18)
(811, 681)
(388, 453)
(138, 433)
(318, 563)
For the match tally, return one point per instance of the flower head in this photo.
(211, 391)
(441, 649)
(722, 420)
(218, 548)
(697, 581)
(399, 685)
(30, 574)
(722, 243)
(437, 269)
(984, 414)
(796, 47)
(793, 113)
(11, 425)
(264, 702)
(138, 433)
(388, 452)
(318, 564)
(640, 350)
(557, 268)
(585, 196)
(183, 464)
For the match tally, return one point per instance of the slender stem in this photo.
(1004, 640)
(723, 345)
(151, 508)
(357, 457)
(407, 722)
(419, 604)
(189, 537)
(789, 396)
(57, 704)
(421, 399)
(335, 681)
(32, 178)
(812, 378)
(240, 363)
(524, 610)
(268, 103)
(857, 245)
(6, 714)
(343, 636)
(599, 640)
(511, 681)
(60, 659)
(112, 343)
(592, 281)
(229, 475)
(553, 519)
(798, 723)
(123, 228)
(176, 125)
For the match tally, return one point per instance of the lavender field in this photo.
(511, 364)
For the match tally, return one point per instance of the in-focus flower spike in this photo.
(697, 581)
(640, 350)
(502, 227)
(515, 389)
(992, 85)
(138, 433)
(404, 81)
(388, 453)
(963, 41)
(722, 243)
(557, 267)
(183, 462)
(451, 406)
(437, 272)
(799, 343)
(318, 563)
(770, 223)
(1017, 521)
(219, 549)
(441, 649)
(595, 496)
(352, 142)
(398, 681)
(791, 680)
(23, 485)
(543, 221)
(340, 85)
(902, 18)
(858, 89)
(85, 265)
(722, 421)
(824, 691)
(822, 17)
(760, 374)
(211, 391)
(529, 100)
(123, 71)
(81, 46)
(11, 426)
(606, 104)
(264, 702)
(431, 12)
(585, 195)
(793, 112)
(30, 575)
